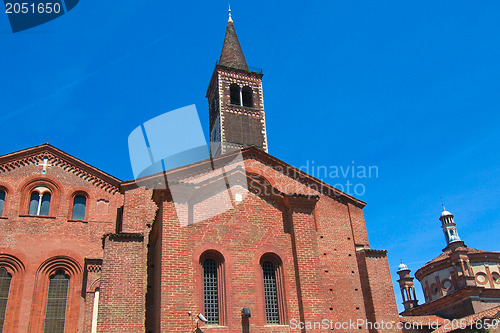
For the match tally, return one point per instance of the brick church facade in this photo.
(82, 251)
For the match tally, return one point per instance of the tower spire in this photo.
(232, 55)
(235, 101)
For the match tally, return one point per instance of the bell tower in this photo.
(235, 100)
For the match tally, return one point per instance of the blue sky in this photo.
(410, 87)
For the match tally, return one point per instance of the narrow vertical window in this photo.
(79, 206)
(2, 201)
(5, 279)
(211, 290)
(40, 202)
(247, 95)
(35, 197)
(271, 293)
(235, 95)
(45, 204)
(57, 297)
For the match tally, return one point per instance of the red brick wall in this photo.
(124, 280)
(377, 289)
(339, 265)
(33, 242)
(314, 236)
(123, 285)
(360, 235)
(242, 236)
(139, 210)
(89, 306)
(315, 241)
(176, 283)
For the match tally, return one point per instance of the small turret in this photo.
(407, 287)
(449, 227)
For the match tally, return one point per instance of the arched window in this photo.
(45, 205)
(40, 201)
(2, 201)
(271, 293)
(5, 279)
(34, 200)
(211, 290)
(57, 297)
(79, 207)
(212, 265)
(273, 288)
(234, 92)
(247, 95)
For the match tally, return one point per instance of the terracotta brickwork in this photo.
(139, 210)
(33, 248)
(376, 285)
(148, 267)
(123, 284)
(325, 274)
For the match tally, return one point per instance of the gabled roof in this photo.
(248, 153)
(58, 157)
(232, 55)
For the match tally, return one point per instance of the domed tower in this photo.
(457, 283)
(407, 287)
(449, 227)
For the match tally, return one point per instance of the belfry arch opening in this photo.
(247, 96)
(234, 92)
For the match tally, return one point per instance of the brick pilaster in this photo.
(312, 305)
(123, 284)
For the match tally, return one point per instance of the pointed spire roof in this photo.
(232, 54)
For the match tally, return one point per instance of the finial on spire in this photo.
(442, 203)
(230, 18)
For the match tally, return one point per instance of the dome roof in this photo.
(443, 260)
(402, 267)
(446, 213)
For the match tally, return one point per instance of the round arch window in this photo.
(40, 201)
